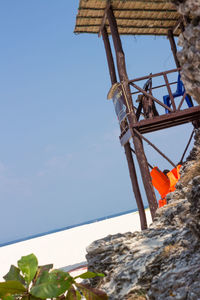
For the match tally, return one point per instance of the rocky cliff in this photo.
(189, 40)
(162, 262)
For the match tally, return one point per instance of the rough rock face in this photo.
(188, 7)
(189, 40)
(189, 58)
(162, 262)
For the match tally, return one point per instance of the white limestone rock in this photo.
(162, 262)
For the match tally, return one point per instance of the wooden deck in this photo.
(161, 122)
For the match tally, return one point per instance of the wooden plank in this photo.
(163, 122)
(168, 120)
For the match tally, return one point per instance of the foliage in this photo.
(29, 281)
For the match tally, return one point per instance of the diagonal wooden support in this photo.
(153, 146)
(182, 100)
(177, 25)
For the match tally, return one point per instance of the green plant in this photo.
(29, 281)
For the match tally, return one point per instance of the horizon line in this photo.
(68, 227)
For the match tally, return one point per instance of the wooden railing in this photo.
(146, 99)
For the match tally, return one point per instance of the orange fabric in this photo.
(173, 176)
(162, 202)
(165, 184)
(160, 181)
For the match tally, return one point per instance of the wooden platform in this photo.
(162, 122)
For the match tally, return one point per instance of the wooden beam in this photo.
(109, 56)
(177, 25)
(154, 75)
(135, 185)
(168, 120)
(193, 131)
(153, 146)
(103, 21)
(170, 92)
(173, 46)
(182, 100)
(142, 161)
(127, 147)
(156, 87)
(162, 122)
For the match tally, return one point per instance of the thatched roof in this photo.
(136, 17)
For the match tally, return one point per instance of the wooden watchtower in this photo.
(139, 111)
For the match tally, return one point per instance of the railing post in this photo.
(170, 92)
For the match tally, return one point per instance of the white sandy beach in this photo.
(67, 247)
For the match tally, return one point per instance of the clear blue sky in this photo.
(60, 158)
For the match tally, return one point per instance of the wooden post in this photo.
(111, 65)
(135, 185)
(173, 46)
(121, 65)
(127, 146)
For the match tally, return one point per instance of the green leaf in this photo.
(14, 274)
(73, 294)
(8, 298)
(89, 274)
(53, 275)
(28, 265)
(41, 270)
(11, 287)
(52, 284)
(44, 277)
(90, 293)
